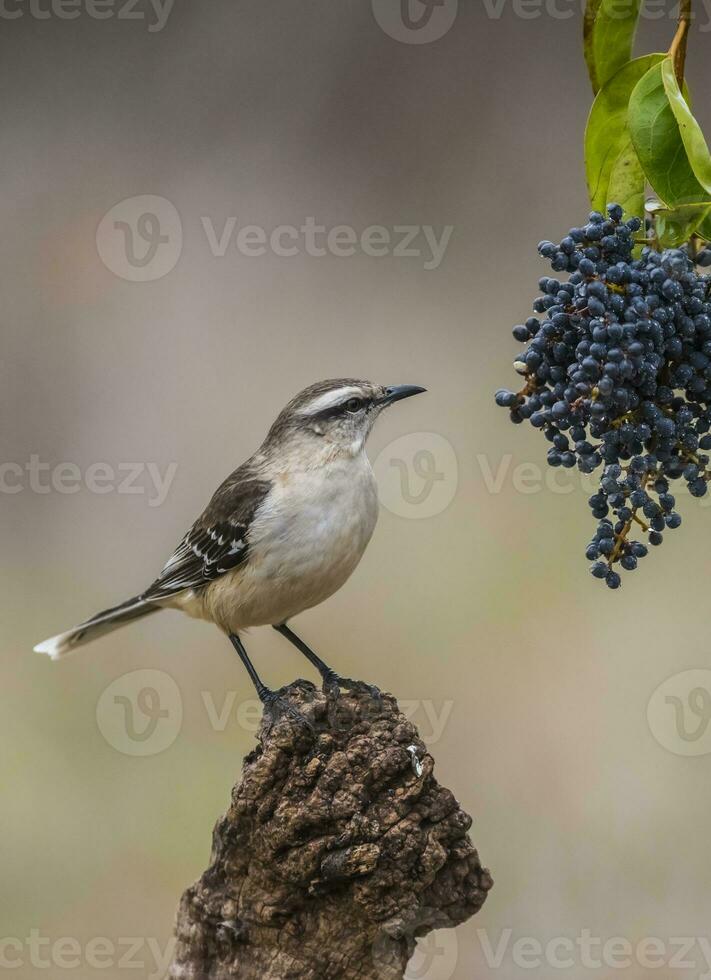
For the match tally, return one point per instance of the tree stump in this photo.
(339, 849)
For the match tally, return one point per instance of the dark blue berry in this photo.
(617, 371)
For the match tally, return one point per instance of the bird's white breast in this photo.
(304, 542)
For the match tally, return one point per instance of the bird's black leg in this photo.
(273, 703)
(332, 681)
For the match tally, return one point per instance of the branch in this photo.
(677, 51)
(339, 849)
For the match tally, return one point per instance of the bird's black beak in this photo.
(396, 392)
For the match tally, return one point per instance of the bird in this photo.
(281, 534)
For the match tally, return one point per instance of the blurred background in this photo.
(206, 207)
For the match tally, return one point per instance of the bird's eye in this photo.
(354, 405)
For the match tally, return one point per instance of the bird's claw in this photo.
(333, 682)
(276, 707)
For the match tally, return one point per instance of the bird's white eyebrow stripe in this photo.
(330, 399)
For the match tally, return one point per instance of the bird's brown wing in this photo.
(218, 541)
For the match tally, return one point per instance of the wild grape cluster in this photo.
(617, 374)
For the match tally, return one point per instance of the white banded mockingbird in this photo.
(280, 535)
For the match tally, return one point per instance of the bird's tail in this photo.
(104, 622)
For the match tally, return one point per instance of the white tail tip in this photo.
(106, 621)
(55, 646)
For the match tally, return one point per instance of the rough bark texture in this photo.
(339, 849)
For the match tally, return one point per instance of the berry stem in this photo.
(645, 527)
(621, 538)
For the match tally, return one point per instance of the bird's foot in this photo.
(333, 682)
(276, 707)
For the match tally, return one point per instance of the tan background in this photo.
(272, 113)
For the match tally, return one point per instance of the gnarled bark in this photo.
(339, 849)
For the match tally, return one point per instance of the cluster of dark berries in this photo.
(617, 373)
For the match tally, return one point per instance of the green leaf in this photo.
(677, 226)
(613, 171)
(657, 139)
(609, 31)
(692, 137)
(591, 11)
(627, 184)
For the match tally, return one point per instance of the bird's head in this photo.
(336, 416)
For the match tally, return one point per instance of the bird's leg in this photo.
(332, 682)
(275, 705)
